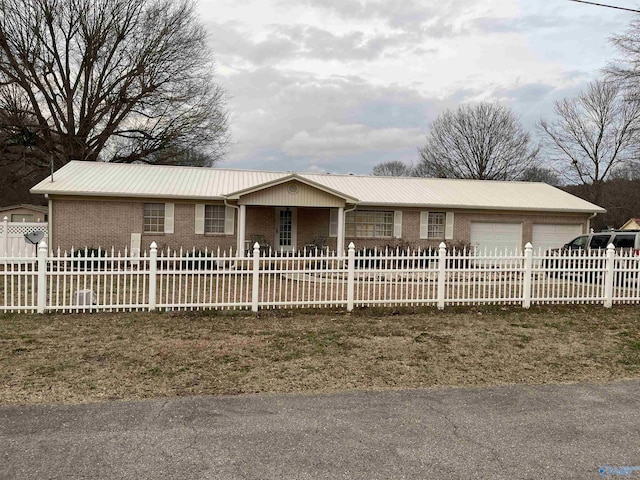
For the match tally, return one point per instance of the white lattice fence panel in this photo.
(12, 238)
(22, 228)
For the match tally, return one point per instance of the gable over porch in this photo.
(289, 213)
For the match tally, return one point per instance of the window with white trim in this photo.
(435, 225)
(153, 218)
(369, 224)
(214, 218)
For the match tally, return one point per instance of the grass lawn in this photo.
(99, 357)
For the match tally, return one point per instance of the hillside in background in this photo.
(620, 197)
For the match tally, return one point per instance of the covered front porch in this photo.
(290, 214)
(290, 229)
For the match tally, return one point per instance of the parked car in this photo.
(622, 240)
(625, 242)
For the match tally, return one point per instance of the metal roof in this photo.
(25, 206)
(172, 182)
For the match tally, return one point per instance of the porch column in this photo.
(242, 229)
(340, 240)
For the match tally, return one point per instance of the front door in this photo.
(286, 220)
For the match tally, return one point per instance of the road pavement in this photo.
(505, 432)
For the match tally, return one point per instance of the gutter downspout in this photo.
(351, 209)
(239, 239)
(229, 205)
(341, 228)
(589, 221)
(49, 222)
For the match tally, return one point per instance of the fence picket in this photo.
(81, 281)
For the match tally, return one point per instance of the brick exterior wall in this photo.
(106, 223)
(462, 227)
(261, 221)
(313, 222)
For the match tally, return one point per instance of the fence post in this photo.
(528, 274)
(442, 274)
(608, 277)
(5, 236)
(42, 277)
(351, 274)
(256, 277)
(153, 275)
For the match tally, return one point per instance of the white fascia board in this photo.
(481, 207)
(127, 195)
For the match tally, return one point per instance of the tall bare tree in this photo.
(540, 174)
(392, 168)
(483, 141)
(22, 164)
(111, 80)
(626, 69)
(592, 135)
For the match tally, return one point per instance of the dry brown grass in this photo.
(97, 357)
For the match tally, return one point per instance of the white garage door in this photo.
(505, 237)
(546, 236)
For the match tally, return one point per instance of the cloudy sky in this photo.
(341, 85)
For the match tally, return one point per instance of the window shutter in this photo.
(397, 224)
(448, 229)
(229, 218)
(199, 219)
(424, 224)
(333, 222)
(168, 217)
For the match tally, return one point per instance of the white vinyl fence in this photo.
(176, 280)
(12, 238)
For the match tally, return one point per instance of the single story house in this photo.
(24, 213)
(632, 224)
(122, 205)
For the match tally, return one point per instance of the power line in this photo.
(607, 6)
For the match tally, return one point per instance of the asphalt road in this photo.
(511, 432)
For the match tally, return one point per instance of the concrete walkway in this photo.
(513, 432)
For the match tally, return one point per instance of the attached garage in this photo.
(546, 236)
(503, 237)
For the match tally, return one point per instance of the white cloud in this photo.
(335, 139)
(278, 106)
(337, 84)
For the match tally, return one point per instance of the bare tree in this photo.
(111, 80)
(393, 168)
(483, 141)
(626, 69)
(619, 197)
(540, 174)
(22, 164)
(592, 135)
(630, 171)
